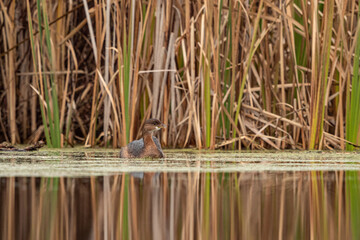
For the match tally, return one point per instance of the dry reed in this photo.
(229, 74)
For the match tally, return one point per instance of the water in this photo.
(87, 194)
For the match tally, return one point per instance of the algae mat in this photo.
(89, 162)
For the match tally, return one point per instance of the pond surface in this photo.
(89, 162)
(93, 194)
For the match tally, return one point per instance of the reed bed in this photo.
(257, 205)
(221, 74)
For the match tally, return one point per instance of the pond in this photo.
(93, 194)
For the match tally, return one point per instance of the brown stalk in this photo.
(10, 80)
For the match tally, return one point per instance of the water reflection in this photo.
(85, 163)
(151, 205)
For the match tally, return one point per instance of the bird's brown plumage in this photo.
(148, 146)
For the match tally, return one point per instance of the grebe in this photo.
(148, 145)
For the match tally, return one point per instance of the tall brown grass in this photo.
(220, 74)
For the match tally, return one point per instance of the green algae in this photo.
(100, 162)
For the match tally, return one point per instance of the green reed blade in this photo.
(42, 109)
(55, 105)
(207, 97)
(227, 70)
(126, 58)
(317, 118)
(353, 116)
(47, 100)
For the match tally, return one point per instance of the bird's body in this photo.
(148, 146)
(137, 149)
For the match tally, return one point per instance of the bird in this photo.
(148, 145)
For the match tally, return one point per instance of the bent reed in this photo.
(221, 74)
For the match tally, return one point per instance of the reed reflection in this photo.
(251, 205)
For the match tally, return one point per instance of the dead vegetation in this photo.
(229, 74)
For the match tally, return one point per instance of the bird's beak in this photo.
(160, 126)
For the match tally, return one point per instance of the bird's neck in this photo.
(148, 138)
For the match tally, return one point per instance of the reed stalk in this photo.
(219, 74)
(125, 79)
(8, 77)
(50, 113)
(207, 88)
(53, 110)
(106, 75)
(251, 52)
(353, 115)
(35, 67)
(320, 68)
